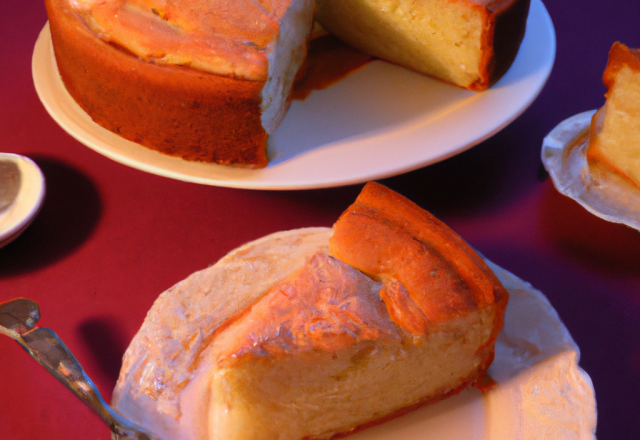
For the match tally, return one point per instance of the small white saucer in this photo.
(599, 191)
(15, 218)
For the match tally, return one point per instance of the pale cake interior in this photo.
(441, 38)
(616, 133)
(333, 391)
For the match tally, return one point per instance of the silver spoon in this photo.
(17, 320)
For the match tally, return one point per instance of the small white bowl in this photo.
(15, 218)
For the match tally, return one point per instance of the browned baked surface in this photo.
(619, 56)
(429, 274)
(175, 110)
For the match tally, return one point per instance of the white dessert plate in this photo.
(601, 192)
(542, 393)
(380, 121)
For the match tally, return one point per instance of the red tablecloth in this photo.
(110, 238)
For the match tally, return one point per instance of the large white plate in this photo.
(542, 393)
(380, 121)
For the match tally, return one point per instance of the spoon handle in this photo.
(50, 352)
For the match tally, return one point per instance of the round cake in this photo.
(210, 80)
(204, 80)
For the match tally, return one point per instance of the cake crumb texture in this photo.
(614, 135)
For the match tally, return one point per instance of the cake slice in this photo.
(205, 80)
(614, 135)
(469, 43)
(285, 339)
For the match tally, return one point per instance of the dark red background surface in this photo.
(109, 238)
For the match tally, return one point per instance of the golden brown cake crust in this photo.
(175, 110)
(429, 274)
(619, 55)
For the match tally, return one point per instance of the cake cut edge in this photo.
(614, 133)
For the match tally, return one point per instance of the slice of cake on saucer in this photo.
(614, 135)
(313, 333)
